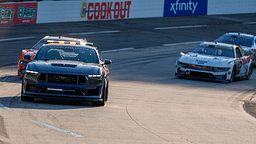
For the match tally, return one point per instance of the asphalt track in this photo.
(147, 103)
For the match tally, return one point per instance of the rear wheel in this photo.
(249, 74)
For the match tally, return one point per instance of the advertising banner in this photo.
(185, 7)
(91, 10)
(106, 10)
(18, 13)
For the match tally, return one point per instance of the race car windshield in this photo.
(68, 53)
(214, 51)
(39, 44)
(237, 40)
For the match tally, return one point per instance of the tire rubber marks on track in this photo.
(57, 129)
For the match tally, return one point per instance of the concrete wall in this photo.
(88, 10)
(216, 7)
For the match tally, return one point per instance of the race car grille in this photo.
(201, 75)
(62, 79)
(199, 67)
(92, 92)
(65, 79)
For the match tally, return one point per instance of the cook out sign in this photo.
(106, 10)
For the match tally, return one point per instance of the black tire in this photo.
(248, 76)
(25, 98)
(106, 97)
(100, 103)
(232, 75)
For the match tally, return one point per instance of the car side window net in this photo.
(238, 53)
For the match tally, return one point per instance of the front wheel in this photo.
(232, 76)
(249, 74)
(101, 103)
(25, 98)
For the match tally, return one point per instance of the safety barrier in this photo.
(88, 10)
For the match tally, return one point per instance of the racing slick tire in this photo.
(233, 75)
(249, 74)
(25, 98)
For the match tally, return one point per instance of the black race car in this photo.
(22, 63)
(64, 71)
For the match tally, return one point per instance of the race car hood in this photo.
(65, 67)
(197, 59)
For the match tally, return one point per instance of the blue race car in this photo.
(65, 71)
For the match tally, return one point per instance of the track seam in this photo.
(126, 108)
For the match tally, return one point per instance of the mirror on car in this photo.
(107, 62)
(27, 57)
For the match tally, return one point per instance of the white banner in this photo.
(87, 10)
(216, 7)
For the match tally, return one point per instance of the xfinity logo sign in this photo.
(185, 7)
(189, 6)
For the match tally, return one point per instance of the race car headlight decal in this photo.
(94, 77)
(181, 64)
(222, 69)
(32, 73)
(231, 63)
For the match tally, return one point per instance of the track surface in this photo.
(147, 103)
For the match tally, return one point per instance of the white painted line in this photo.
(20, 38)
(57, 129)
(116, 50)
(5, 107)
(173, 44)
(99, 32)
(181, 27)
(248, 23)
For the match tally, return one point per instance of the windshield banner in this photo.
(185, 7)
(18, 13)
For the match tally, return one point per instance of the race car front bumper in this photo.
(204, 75)
(45, 90)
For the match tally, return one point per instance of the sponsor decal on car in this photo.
(185, 7)
(201, 61)
(106, 10)
(18, 13)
